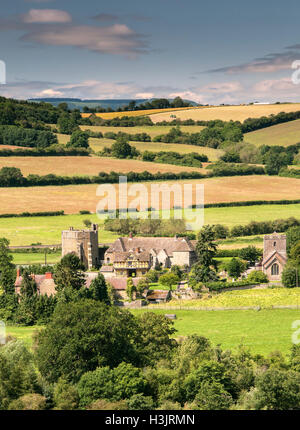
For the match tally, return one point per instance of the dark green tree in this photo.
(98, 290)
(82, 336)
(69, 278)
(7, 268)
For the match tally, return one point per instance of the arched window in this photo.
(274, 243)
(275, 269)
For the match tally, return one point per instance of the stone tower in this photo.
(274, 242)
(275, 256)
(84, 243)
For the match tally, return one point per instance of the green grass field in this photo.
(23, 333)
(263, 332)
(35, 258)
(281, 134)
(47, 230)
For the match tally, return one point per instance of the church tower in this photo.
(275, 255)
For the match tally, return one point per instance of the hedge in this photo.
(32, 214)
(217, 286)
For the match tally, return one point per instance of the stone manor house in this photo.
(134, 256)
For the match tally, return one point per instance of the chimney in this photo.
(48, 275)
(130, 235)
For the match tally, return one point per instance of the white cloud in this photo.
(144, 95)
(49, 93)
(114, 39)
(46, 16)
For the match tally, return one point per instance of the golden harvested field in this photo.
(227, 113)
(110, 115)
(79, 166)
(151, 130)
(281, 134)
(72, 198)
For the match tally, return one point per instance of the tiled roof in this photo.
(169, 244)
(139, 256)
(45, 284)
(121, 283)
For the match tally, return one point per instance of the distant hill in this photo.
(114, 104)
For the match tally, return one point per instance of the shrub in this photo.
(257, 276)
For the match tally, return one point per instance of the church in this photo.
(274, 256)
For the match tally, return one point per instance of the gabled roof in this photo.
(158, 295)
(120, 284)
(273, 256)
(139, 256)
(169, 244)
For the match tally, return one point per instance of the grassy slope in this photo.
(263, 332)
(227, 113)
(99, 144)
(47, 230)
(282, 134)
(35, 258)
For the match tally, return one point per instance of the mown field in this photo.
(35, 258)
(262, 332)
(281, 134)
(152, 131)
(73, 198)
(80, 166)
(47, 230)
(110, 115)
(227, 113)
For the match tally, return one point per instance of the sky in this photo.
(211, 52)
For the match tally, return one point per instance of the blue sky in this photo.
(211, 52)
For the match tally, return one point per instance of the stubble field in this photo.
(227, 113)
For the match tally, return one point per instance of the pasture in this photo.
(80, 166)
(35, 258)
(262, 332)
(281, 134)
(47, 230)
(227, 113)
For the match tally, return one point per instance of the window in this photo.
(274, 243)
(275, 269)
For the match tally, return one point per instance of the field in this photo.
(150, 130)
(47, 230)
(35, 258)
(98, 144)
(110, 115)
(79, 166)
(263, 332)
(227, 113)
(281, 134)
(73, 198)
(263, 297)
